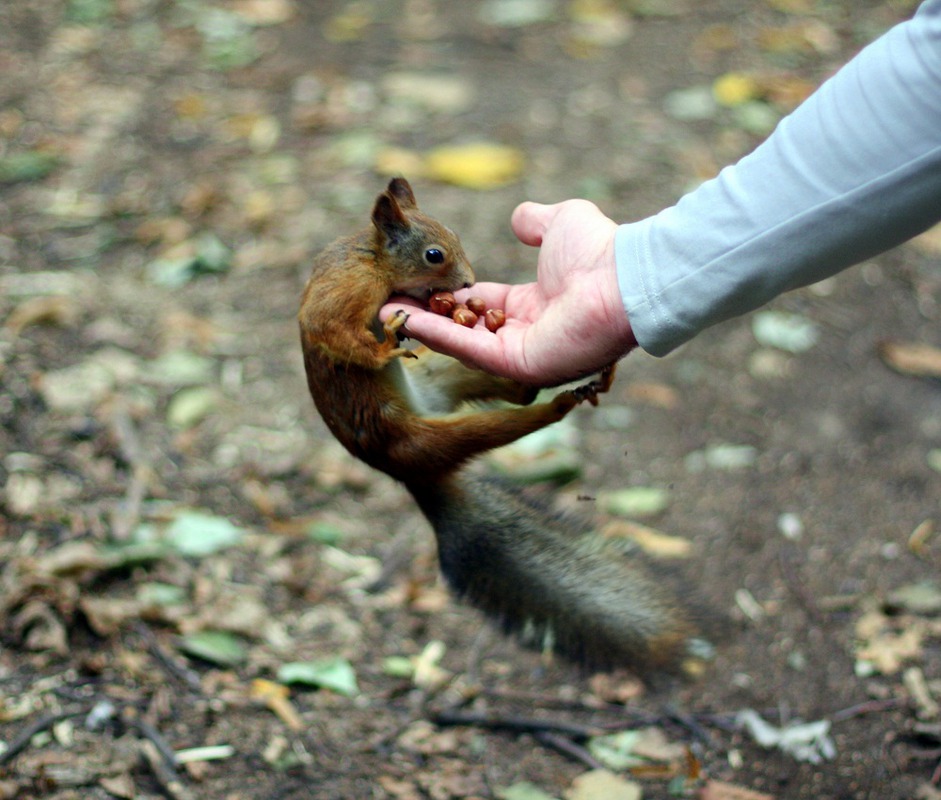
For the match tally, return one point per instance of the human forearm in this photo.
(854, 171)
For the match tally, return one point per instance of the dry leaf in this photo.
(650, 540)
(720, 790)
(912, 358)
(600, 784)
(884, 649)
(275, 697)
(49, 310)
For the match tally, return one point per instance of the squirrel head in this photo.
(423, 255)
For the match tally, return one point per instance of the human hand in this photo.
(569, 323)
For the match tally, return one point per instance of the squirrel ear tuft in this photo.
(400, 189)
(388, 218)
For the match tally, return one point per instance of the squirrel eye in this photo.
(434, 256)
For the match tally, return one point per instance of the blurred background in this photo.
(177, 527)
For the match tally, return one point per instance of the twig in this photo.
(568, 748)
(869, 707)
(127, 513)
(167, 777)
(690, 723)
(176, 671)
(148, 731)
(22, 739)
(517, 724)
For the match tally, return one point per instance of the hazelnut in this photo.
(442, 303)
(494, 319)
(465, 317)
(477, 305)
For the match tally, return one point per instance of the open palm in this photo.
(569, 323)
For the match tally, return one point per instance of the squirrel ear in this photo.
(388, 218)
(399, 188)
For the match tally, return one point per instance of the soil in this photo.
(169, 168)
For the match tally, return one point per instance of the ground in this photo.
(168, 168)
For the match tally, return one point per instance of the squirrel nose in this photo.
(467, 285)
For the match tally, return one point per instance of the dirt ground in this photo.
(167, 169)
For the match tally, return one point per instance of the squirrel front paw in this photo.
(392, 336)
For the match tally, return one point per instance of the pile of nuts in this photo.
(468, 313)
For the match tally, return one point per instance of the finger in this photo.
(474, 346)
(529, 222)
(399, 303)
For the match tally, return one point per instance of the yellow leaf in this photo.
(477, 166)
(735, 88)
(651, 541)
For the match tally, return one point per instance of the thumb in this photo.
(530, 221)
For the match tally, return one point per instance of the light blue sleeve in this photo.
(854, 171)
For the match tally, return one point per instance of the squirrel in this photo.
(538, 574)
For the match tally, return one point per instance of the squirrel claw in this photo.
(592, 389)
(396, 321)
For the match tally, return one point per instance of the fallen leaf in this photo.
(637, 501)
(335, 674)
(427, 672)
(650, 540)
(735, 88)
(479, 165)
(600, 784)
(720, 790)
(216, 647)
(193, 533)
(808, 742)
(190, 406)
(120, 786)
(32, 165)
(275, 697)
(918, 598)
(917, 359)
(523, 791)
(50, 310)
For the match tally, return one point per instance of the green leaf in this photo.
(523, 791)
(336, 674)
(29, 166)
(196, 534)
(216, 647)
(615, 750)
(398, 667)
(160, 594)
(638, 501)
(188, 407)
(324, 533)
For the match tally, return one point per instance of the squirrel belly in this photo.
(548, 579)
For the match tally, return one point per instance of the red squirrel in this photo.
(406, 412)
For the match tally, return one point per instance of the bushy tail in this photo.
(547, 578)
